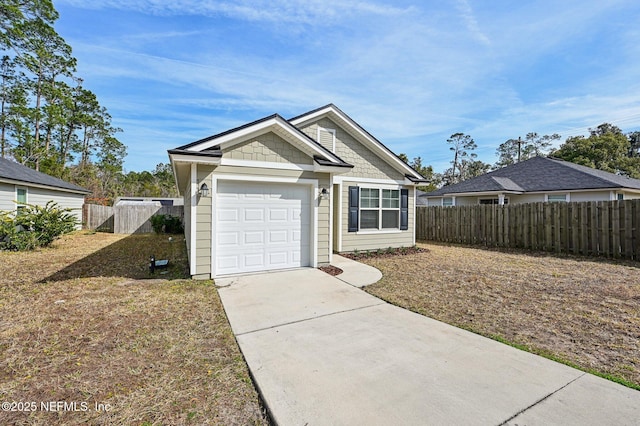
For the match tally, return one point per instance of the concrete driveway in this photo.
(324, 352)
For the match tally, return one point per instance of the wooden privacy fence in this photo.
(126, 219)
(602, 228)
(98, 217)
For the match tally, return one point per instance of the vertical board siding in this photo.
(126, 219)
(599, 228)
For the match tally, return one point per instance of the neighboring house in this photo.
(21, 185)
(162, 201)
(279, 193)
(420, 200)
(539, 179)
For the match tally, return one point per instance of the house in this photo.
(21, 185)
(278, 193)
(539, 179)
(160, 201)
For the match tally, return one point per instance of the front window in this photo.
(21, 199)
(447, 201)
(492, 201)
(557, 198)
(379, 208)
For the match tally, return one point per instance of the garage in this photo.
(262, 226)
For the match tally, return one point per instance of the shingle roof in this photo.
(17, 172)
(540, 174)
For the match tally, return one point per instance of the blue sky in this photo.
(411, 72)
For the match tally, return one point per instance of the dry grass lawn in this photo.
(583, 311)
(84, 322)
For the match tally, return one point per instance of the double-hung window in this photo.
(377, 209)
(21, 199)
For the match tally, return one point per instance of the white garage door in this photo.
(261, 226)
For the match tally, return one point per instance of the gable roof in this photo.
(539, 174)
(362, 135)
(212, 146)
(17, 173)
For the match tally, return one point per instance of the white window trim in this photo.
(26, 196)
(567, 198)
(453, 202)
(505, 200)
(380, 209)
(333, 137)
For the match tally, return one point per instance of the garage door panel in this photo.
(278, 215)
(228, 215)
(255, 237)
(280, 236)
(262, 226)
(228, 238)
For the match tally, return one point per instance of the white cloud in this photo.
(408, 75)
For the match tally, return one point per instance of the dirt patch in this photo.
(384, 253)
(331, 270)
(85, 322)
(581, 310)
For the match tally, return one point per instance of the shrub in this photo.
(167, 224)
(34, 226)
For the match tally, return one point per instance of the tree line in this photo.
(606, 148)
(49, 120)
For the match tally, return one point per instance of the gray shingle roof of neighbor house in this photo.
(539, 174)
(11, 170)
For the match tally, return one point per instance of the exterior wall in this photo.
(40, 197)
(366, 163)
(630, 195)
(536, 198)
(268, 147)
(590, 196)
(7, 196)
(204, 215)
(187, 218)
(363, 240)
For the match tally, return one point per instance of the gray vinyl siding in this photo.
(40, 197)
(352, 241)
(7, 196)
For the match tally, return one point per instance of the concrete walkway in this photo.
(324, 352)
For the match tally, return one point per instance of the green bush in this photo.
(34, 226)
(167, 224)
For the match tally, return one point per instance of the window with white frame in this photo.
(447, 201)
(557, 198)
(492, 201)
(379, 208)
(21, 199)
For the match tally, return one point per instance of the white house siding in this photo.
(41, 196)
(590, 196)
(7, 196)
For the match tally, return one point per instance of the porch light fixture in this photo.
(324, 194)
(204, 190)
